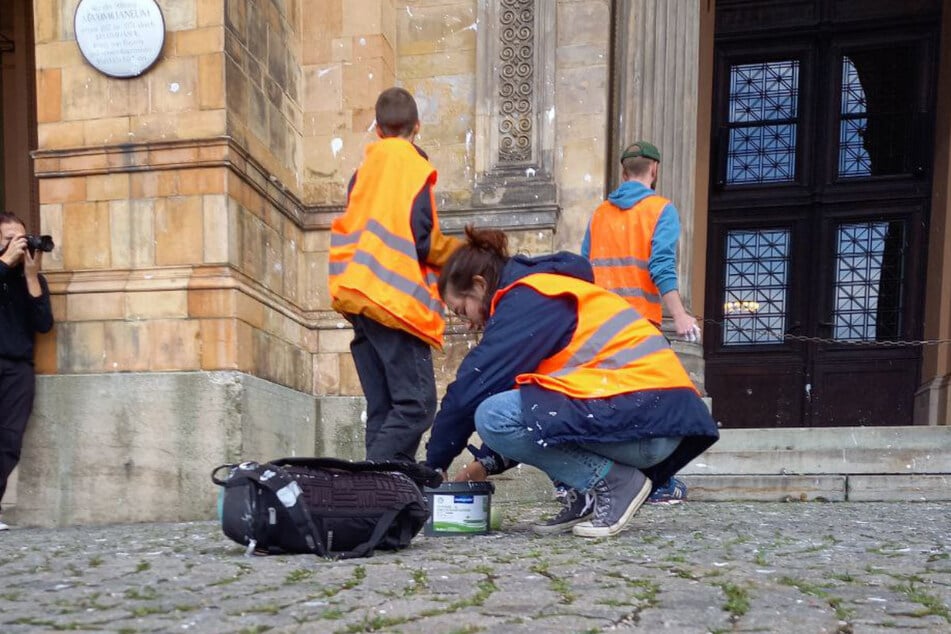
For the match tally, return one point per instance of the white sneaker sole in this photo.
(587, 529)
(564, 527)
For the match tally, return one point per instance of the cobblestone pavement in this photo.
(697, 567)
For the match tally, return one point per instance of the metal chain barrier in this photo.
(900, 343)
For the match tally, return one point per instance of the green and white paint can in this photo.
(460, 508)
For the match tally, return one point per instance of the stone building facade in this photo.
(191, 205)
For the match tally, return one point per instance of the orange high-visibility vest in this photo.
(620, 248)
(374, 267)
(614, 350)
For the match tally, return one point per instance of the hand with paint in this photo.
(693, 334)
(473, 472)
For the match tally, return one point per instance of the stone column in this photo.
(933, 398)
(656, 97)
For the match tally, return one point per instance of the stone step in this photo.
(531, 485)
(831, 464)
(828, 488)
(830, 450)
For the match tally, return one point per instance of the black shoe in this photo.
(617, 498)
(576, 507)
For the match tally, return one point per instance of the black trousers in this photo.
(396, 373)
(17, 388)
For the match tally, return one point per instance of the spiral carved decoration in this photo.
(516, 25)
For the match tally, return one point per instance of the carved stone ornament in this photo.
(516, 68)
(120, 38)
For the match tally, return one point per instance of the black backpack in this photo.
(325, 506)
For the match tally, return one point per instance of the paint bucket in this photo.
(459, 508)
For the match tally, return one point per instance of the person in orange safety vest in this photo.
(631, 242)
(568, 378)
(385, 254)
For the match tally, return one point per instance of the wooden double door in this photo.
(819, 200)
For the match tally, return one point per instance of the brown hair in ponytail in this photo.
(485, 253)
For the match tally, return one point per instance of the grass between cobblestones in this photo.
(795, 567)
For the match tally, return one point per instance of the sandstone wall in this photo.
(191, 210)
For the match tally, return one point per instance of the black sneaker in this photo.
(617, 498)
(576, 507)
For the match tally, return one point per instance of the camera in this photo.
(39, 243)
(36, 243)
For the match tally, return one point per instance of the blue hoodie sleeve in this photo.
(663, 260)
(586, 243)
(525, 329)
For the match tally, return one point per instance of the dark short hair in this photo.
(396, 113)
(8, 216)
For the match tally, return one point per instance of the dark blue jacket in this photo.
(528, 327)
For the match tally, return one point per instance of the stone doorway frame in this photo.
(20, 79)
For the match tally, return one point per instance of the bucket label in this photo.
(460, 513)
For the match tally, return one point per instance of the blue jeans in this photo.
(498, 420)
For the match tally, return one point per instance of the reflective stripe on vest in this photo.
(374, 268)
(620, 252)
(397, 281)
(614, 350)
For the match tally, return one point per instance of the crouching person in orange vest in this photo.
(568, 378)
(385, 252)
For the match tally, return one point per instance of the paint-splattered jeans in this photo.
(499, 423)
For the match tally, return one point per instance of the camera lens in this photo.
(40, 243)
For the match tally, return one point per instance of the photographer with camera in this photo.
(24, 311)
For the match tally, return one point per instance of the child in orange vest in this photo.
(385, 253)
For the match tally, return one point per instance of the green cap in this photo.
(641, 148)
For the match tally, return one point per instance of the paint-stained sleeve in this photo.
(526, 328)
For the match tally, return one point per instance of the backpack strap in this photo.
(288, 492)
(214, 472)
(419, 473)
(366, 548)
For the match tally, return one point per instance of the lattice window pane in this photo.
(853, 157)
(757, 276)
(877, 113)
(868, 284)
(763, 115)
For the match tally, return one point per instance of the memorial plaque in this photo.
(120, 38)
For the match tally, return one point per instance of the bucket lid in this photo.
(464, 487)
